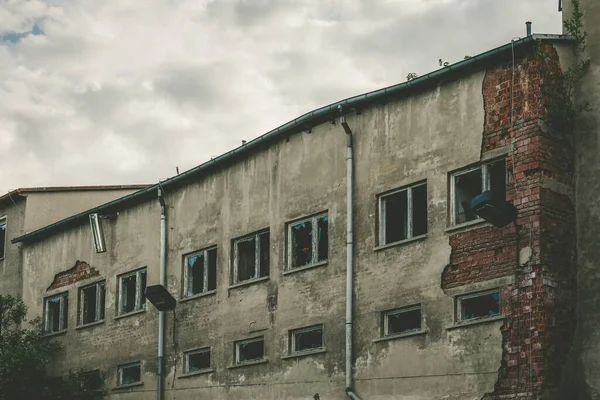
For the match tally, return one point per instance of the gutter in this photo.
(302, 123)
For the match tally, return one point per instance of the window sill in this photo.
(51, 334)
(129, 314)
(401, 242)
(246, 364)
(249, 282)
(89, 325)
(196, 373)
(305, 267)
(304, 354)
(198, 296)
(476, 322)
(128, 386)
(467, 224)
(401, 335)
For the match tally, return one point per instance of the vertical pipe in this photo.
(528, 28)
(160, 376)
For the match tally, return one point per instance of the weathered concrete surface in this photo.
(10, 266)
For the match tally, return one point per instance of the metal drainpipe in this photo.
(349, 258)
(160, 378)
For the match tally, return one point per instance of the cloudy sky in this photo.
(122, 91)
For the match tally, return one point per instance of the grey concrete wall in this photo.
(10, 266)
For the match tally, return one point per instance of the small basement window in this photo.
(308, 241)
(466, 184)
(129, 374)
(131, 291)
(478, 305)
(401, 320)
(247, 351)
(306, 339)
(56, 310)
(251, 257)
(91, 303)
(2, 237)
(403, 214)
(200, 274)
(198, 360)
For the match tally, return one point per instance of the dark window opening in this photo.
(479, 306)
(92, 298)
(131, 292)
(2, 237)
(130, 374)
(323, 238)
(129, 287)
(497, 179)
(91, 380)
(307, 339)
(397, 322)
(396, 217)
(250, 351)
(53, 310)
(212, 269)
(196, 274)
(142, 290)
(265, 244)
(199, 361)
(302, 244)
(419, 210)
(246, 261)
(466, 186)
(252, 257)
(403, 214)
(308, 241)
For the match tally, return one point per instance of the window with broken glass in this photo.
(129, 374)
(251, 350)
(200, 273)
(478, 305)
(306, 339)
(2, 237)
(131, 291)
(56, 313)
(91, 303)
(251, 257)
(308, 241)
(468, 183)
(403, 214)
(401, 320)
(198, 360)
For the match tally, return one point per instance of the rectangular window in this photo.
(466, 184)
(306, 339)
(200, 274)
(129, 374)
(2, 237)
(247, 351)
(308, 241)
(403, 214)
(401, 320)
(478, 305)
(131, 291)
(198, 360)
(56, 315)
(91, 303)
(251, 257)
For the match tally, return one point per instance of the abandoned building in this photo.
(430, 240)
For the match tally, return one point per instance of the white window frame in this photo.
(459, 300)
(138, 291)
(313, 219)
(248, 341)
(99, 306)
(63, 322)
(409, 216)
(189, 353)
(188, 280)
(256, 238)
(120, 369)
(395, 311)
(4, 221)
(294, 332)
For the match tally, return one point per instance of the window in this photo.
(251, 257)
(198, 360)
(200, 274)
(401, 320)
(91, 303)
(131, 291)
(403, 214)
(466, 184)
(478, 305)
(247, 351)
(308, 241)
(129, 374)
(306, 339)
(56, 315)
(92, 380)
(2, 237)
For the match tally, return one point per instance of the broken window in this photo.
(403, 214)
(198, 360)
(91, 303)
(478, 305)
(2, 237)
(251, 257)
(200, 273)
(306, 339)
(466, 184)
(129, 374)
(402, 320)
(308, 241)
(56, 313)
(249, 350)
(131, 291)
(91, 380)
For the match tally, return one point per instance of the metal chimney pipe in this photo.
(528, 28)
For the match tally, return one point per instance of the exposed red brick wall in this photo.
(79, 272)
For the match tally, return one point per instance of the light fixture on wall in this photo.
(97, 233)
(497, 211)
(160, 297)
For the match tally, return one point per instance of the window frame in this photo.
(186, 360)
(120, 369)
(400, 310)
(458, 305)
(63, 313)
(139, 306)
(4, 221)
(235, 253)
(381, 211)
(236, 350)
(186, 274)
(292, 339)
(313, 219)
(99, 307)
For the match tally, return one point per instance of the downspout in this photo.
(160, 376)
(349, 258)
